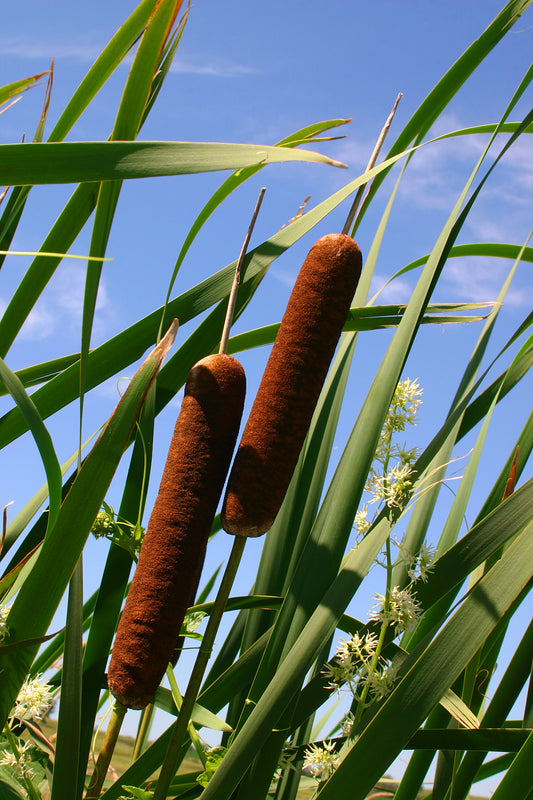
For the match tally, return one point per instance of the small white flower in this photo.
(403, 611)
(402, 412)
(321, 762)
(394, 488)
(425, 561)
(4, 628)
(362, 524)
(359, 646)
(405, 403)
(407, 456)
(352, 654)
(418, 567)
(17, 765)
(33, 699)
(347, 724)
(380, 681)
(7, 759)
(340, 674)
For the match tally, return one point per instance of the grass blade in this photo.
(41, 436)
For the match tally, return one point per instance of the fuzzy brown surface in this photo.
(173, 549)
(289, 390)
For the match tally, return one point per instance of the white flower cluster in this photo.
(418, 566)
(321, 762)
(390, 479)
(393, 488)
(401, 611)
(17, 762)
(353, 667)
(362, 523)
(33, 699)
(404, 406)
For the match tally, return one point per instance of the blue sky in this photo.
(250, 72)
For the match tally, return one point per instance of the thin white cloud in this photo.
(41, 323)
(58, 311)
(38, 49)
(86, 52)
(284, 277)
(217, 69)
(479, 280)
(437, 171)
(398, 291)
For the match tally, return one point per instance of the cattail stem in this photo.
(169, 766)
(232, 299)
(143, 731)
(106, 751)
(373, 158)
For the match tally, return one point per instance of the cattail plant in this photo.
(456, 683)
(291, 383)
(173, 548)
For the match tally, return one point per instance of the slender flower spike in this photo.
(405, 404)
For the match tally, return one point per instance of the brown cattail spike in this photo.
(173, 549)
(289, 390)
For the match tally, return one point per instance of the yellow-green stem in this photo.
(106, 752)
(179, 733)
(143, 731)
(361, 704)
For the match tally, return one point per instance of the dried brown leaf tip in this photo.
(291, 384)
(511, 480)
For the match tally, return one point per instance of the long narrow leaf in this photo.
(83, 162)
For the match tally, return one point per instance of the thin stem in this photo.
(106, 751)
(232, 299)
(373, 158)
(361, 703)
(178, 700)
(179, 733)
(143, 731)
